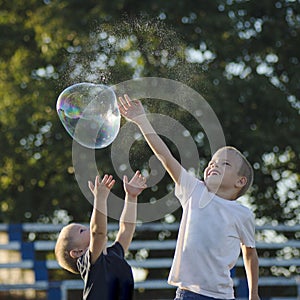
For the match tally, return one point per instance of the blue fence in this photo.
(151, 252)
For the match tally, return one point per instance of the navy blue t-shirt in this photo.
(110, 278)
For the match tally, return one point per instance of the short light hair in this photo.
(64, 245)
(245, 170)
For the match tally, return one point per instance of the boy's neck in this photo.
(226, 194)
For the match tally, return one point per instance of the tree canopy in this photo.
(241, 56)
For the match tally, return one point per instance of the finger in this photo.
(123, 102)
(125, 179)
(111, 184)
(97, 178)
(128, 100)
(109, 179)
(136, 176)
(120, 106)
(142, 178)
(91, 186)
(123, 111)
(104, 179)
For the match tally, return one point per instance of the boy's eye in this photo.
(81, 230)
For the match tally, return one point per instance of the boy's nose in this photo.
(215, 164)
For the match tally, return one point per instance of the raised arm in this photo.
(128, 217)
(98, 222)
(134, 111)
(251, 266)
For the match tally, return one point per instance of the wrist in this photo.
(100, 200)
(253, 295)
(140, 119)
(102, 194)
(131, 197)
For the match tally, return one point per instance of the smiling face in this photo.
(222, 174)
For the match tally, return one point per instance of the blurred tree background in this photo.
(242, 56)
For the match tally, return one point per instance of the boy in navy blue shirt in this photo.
(81, 249)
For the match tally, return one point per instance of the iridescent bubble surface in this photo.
(90, 114)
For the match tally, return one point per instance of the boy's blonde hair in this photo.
(245, 170)
(62, 250)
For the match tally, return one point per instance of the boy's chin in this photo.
(212, 184)
(213, 179)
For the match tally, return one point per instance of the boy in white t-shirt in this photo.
(214, 227)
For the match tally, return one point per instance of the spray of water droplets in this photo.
(130, 48)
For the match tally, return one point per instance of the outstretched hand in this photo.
(103, 186)
(136, 185)
(130, 109)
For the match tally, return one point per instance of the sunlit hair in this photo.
(245, 170)
(62, 250)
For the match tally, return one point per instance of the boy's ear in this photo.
(75, 253)
(242, 181)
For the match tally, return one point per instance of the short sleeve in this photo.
(187, 184)
(247, 231)
(117, 249)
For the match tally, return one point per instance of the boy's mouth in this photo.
(213, 173)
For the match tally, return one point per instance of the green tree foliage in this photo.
(242, 56)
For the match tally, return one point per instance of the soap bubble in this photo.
(90, 114)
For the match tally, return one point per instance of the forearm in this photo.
(128, 217)
(253, 279)
(159, 147)
(127, 222)
(252, 272)
(98, 221)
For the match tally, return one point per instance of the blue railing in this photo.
(279, 261)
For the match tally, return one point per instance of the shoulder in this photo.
(188, 186)
(185, 173)
(244, 210)
(239, 212)
(188, 179)
(116, 248)
(245, 217)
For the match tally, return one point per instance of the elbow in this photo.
(127, 227)
(98, 231)
(99, 236)
(250, 254)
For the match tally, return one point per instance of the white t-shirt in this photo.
(209, 239)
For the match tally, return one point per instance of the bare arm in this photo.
(134, 111)
(98, 222)
(251, 266)
(128, 217)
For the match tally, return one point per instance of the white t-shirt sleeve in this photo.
(187, 184)
(246, 231)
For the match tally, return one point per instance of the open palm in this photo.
(136, 185)
(130, 109)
